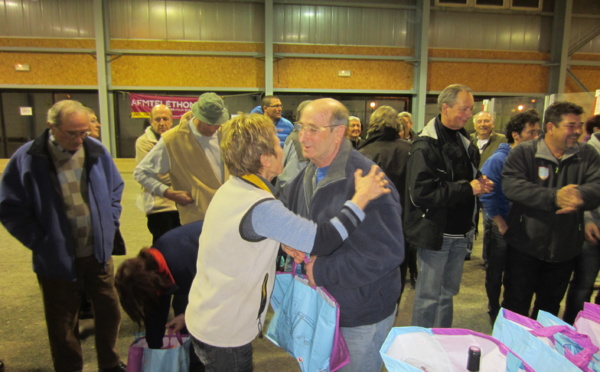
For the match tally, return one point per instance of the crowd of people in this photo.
(366, 211)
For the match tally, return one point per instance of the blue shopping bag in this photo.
(306, 324)
(552, 348)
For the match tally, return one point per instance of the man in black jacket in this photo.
(550, 182)
(443, 183)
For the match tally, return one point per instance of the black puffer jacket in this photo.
(431, 188)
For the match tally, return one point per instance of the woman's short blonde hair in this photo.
(384, 116)
(244, 139)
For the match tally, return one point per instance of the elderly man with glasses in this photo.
(364, 273)
(60, 197)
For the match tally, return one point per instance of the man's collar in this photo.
(52, 142)
(543, 151)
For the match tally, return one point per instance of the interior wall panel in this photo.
(317, 73)
(589, 76)
(184, 71)
(48, 69)
(492, 77)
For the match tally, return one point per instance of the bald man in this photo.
(364, 273)
(161, 212)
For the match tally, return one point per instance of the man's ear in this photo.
(341, 134)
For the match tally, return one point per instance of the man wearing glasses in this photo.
(272, 107)
(60, 197)
(363, 275)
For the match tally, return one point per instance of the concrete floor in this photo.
(23, 340)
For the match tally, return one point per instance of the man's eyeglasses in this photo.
(73, 134)
(312, 129)
(276, 106)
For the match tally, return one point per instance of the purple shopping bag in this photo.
(174, 355)
(588, 322)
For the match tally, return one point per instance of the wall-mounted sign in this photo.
(26, 111)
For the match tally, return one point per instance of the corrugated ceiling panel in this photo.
(343, 25)
(487, 31)
(46, 18)
(186, 20)
(581, 28)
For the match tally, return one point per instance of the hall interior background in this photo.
(398, 52)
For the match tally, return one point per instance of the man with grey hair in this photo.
(484, 137)
(443, 183)
(190, 154)
(60, 196)
(354, 130)
(364, 273)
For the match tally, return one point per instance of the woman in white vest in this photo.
(242, 231)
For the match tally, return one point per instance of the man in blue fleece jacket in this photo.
(363, 275)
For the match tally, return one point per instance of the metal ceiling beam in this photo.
(420, 69)
(561, 24)
(102, 35)
(269, 59)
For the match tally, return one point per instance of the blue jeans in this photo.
(364, 343)
(587, 265)
(440, 273)
(496, 263)
(224, 359)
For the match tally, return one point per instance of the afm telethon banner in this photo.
(141, 104)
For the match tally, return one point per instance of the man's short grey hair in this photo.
(450, 93)
(63, 109)
(301, 107)
(339, 115)
(353, 118)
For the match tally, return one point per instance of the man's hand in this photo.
(369, 187)
(482, 185)
(177, 323)
(297, 255)
(180, 197)
(309, 271)
(568, 199)
(501, 223)
(592, 233)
